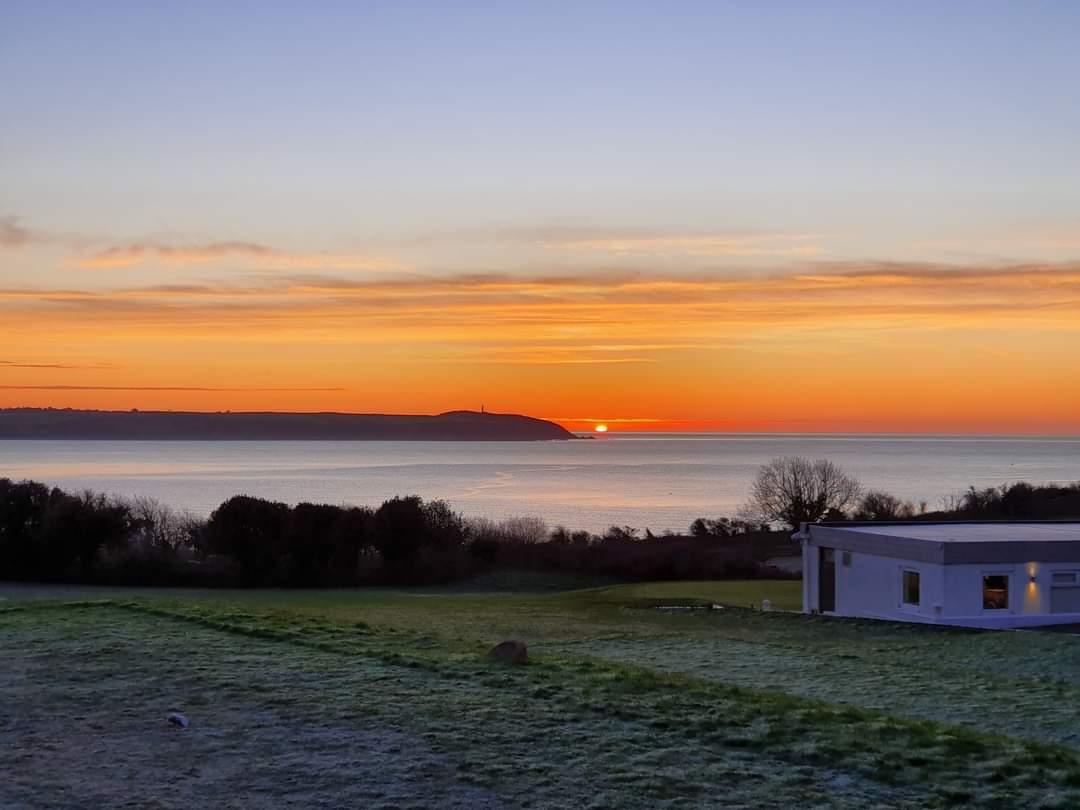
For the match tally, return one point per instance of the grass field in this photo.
(385, 699)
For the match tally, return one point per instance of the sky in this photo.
(774, 216)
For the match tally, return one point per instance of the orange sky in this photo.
(810, 347)
(727, 216)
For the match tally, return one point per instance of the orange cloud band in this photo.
(869, 346)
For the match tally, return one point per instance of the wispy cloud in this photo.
(832, 289)
(24, 364)
(157, 388)
(252, 253)
(956, 340)
(609, 420)
(12, 234)
(566, 320)
(1046, 241)
(736, 245)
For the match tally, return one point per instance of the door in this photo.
(826, 580)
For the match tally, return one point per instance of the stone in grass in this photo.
(510, 652)
(177, 719)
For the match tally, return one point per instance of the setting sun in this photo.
(601, 428)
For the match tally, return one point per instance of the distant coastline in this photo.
(55, 423)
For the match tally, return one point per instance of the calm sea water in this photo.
(645, 480)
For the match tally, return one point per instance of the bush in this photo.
(352, 538)
(724, 527)
(307, 548)
(22, 512)
(250, 531)
(76, 528)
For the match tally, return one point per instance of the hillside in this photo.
(49, 423)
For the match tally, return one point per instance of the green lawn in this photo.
(382, 698)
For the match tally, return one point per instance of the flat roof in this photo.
(977, 532)
(944, 543)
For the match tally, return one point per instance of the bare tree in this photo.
(878, 505)
(797, 490)
(160, 527)
(952, 502)
(525, 530)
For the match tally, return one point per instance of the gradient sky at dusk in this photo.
(739, 216)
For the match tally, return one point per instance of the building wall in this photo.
(963, 584)
(809, 577)
(871, 587)
(1026, 597)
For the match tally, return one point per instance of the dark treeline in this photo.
(50, 535)
(47, 534)
(1020, 501)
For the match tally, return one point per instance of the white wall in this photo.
(809, 578)
(871, 588)
(949, 594)
(1026, 598)
(963, 585)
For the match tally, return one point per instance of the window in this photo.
(1063, 578)
(910, 589)
(995, 592)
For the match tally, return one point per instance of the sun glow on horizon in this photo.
(601, 429)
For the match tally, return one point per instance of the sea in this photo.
(654, 481)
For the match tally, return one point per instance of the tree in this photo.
(621, 534)
(76, 528)
(249, 530)
(877, 505)
(308, 542)
(444, 528)
(352, 539)
(725, 527)
(22, 511)
(160, 527)
(400, 525)
(796, 490)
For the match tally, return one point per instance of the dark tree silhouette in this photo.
(400, 525)
(308, 544)
(76, 528)
(23, 506)
(878, 505)
(796, 490)
(249, 530)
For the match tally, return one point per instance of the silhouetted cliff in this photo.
(50, 423)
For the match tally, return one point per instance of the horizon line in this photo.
(654, 425)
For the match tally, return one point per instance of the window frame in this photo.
(904, 604)
(1008, 591)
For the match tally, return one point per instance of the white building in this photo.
(971, 574)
